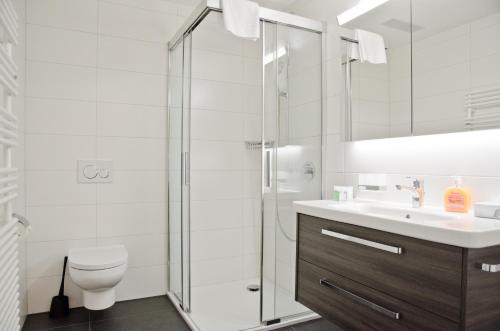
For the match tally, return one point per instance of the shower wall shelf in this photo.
(257, 145)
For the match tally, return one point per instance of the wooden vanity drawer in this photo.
(354, 306)
(422, 273)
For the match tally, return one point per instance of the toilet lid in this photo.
(97, 258)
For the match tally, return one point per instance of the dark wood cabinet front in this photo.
(357, 277)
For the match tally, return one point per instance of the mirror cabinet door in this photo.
(377, 80)
(456, 65)
(441, 74)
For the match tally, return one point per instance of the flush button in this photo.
(95, 171)
(90, 172)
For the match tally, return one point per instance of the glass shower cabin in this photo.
(244, 143)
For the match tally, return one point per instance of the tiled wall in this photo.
(96, 89)
(473, 155)
(225, 176)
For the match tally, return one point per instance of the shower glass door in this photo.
(291, 158)
(178, 172)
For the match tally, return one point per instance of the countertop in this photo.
(457, 229)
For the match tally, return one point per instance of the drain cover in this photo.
(253, 287)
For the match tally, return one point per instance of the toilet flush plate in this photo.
(95, 171)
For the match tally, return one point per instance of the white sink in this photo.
(397, 212)
(463, 230)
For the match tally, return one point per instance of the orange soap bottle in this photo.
(456, 198)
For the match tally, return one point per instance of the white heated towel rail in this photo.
(9, 261)
(482, 109)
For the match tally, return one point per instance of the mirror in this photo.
(456, 65)
(377, 98)
(442, 70)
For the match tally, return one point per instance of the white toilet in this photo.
(97, 271)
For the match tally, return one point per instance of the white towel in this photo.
(241, 18)
(370, 47)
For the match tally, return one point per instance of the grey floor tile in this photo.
(42, 321)
(77, 327)
(151, 321)
(316, 325)
(125, 308)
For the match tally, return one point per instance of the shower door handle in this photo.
(267, 169)
(186, 168)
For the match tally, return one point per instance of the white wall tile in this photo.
(252, 73)
(123, 21)
(61, 46)
(115, 220)
(217, 66)
(133, 187)
(215, 244)
(124, 120)
(60, 81)
(216, 185)
(216, 214)
(132, 55)
(68, 14)
(56, 152)
(154, 5)
(133, 153)
(214, 95)
(55, 116)
(62, 222)
(57, 188)
(214, 37)
(212, 125)
(216, 155)
(131, 87)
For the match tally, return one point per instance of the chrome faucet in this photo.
(417, 190)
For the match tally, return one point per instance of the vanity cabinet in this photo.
(365, 279)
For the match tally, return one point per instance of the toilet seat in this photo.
(97, 258)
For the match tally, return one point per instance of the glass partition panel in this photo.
(292, 157)
(178, 170)
(174, 170)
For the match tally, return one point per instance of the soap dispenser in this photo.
(456, 198)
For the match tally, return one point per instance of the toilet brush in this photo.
(59, 307)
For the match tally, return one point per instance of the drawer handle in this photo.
(488, 267)
(363, 301)
(387, 248)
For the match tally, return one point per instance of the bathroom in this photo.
(224, 165)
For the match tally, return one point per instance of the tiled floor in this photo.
(150, 314)
(316, 325)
